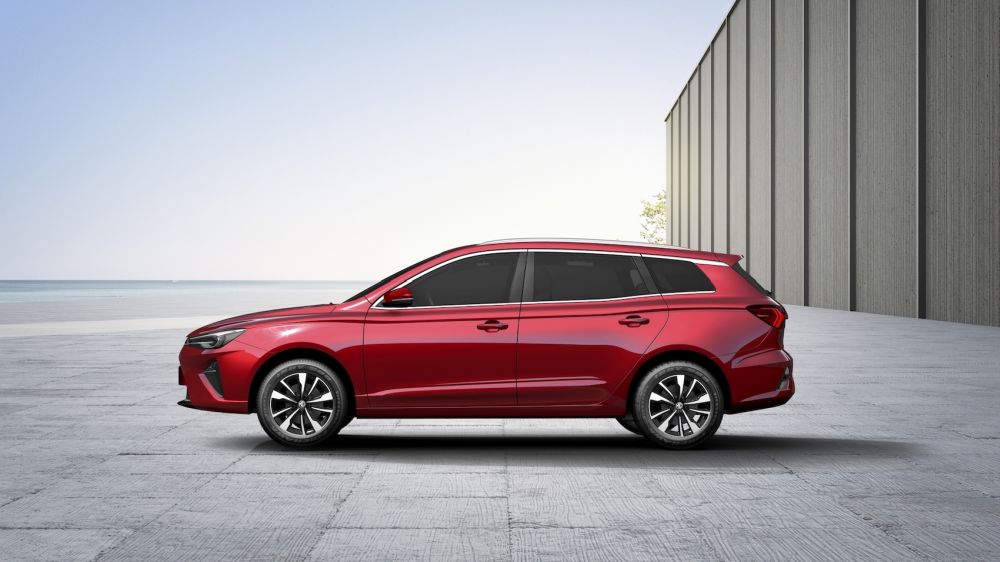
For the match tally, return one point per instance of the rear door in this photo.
(586, 320)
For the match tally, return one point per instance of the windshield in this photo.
(386, 279)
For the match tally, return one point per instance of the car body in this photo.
(510, 328)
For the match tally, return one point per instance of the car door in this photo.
(586, 320)
(455, 346)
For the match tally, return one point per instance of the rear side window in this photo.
(567, 276)
(483, 279)
(677, 276)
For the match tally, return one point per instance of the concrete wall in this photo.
(828, 168)
(759, 135)
(961, 137)
(705, 152)
(720, 142)
(886, 167)
(694, 162)
(789, 151)
(738, 130)
(849, 150)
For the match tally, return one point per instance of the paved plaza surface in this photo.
(889, 450)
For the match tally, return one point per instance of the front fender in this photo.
(339, 340)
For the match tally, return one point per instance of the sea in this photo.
(69, 301)
(49, 290)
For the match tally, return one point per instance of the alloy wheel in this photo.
(680, 406)
(301, 404)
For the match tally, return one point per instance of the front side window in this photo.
(566, 276)
(385, 280)
(482, 279)
(677, 276)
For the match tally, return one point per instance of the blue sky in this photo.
(335, 140)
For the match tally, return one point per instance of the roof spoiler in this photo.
(729, 259)
(733, 260)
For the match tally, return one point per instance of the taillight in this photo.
(773, 315)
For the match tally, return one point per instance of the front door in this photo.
(586, 320)
(455, 346)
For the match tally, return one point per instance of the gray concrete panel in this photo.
(694, 160)
(760, 141)
(738, 129)
(683, 115)
(670, 181)
(720, 142)
(963, 161)
(788, 150)
(886, 149)
(675, 184)
(705, 153)
(829, 167)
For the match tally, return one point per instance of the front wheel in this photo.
(678, 405)
(301, 403)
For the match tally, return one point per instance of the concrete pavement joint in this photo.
(336, 511)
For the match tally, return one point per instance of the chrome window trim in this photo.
(545, 302)
(595, 300)
(687, 293)
(378, 303)
(401, 308)
(561, 251)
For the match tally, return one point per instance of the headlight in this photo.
(215, 340)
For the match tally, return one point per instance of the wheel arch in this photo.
(301, 352)
(693, 356)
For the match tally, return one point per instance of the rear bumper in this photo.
(218, 380)
(761, 380)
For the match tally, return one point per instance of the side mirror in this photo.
(400, 296)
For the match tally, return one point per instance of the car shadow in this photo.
(723, 452)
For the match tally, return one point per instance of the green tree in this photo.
(654, 218)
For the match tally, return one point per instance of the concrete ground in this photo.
(889, 450)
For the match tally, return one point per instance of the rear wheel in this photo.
(301, 403)
(678, 405)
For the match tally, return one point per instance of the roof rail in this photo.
(585, 240)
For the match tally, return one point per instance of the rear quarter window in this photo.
(677, 276)
(749, 279)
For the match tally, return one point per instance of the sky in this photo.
(326, 140)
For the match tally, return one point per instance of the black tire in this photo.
(700, 393)
(628, 423)
(314, 417)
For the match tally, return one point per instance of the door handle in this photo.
(633, 321)
(492, 326)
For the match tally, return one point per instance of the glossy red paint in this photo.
(438, 357)
(578, 353)
(531, 359)
(398, 297)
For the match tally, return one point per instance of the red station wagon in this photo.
(666, 340)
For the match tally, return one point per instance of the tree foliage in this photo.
(654, 218)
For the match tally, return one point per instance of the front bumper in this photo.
(218, 380)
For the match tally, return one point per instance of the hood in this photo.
(258, 318)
